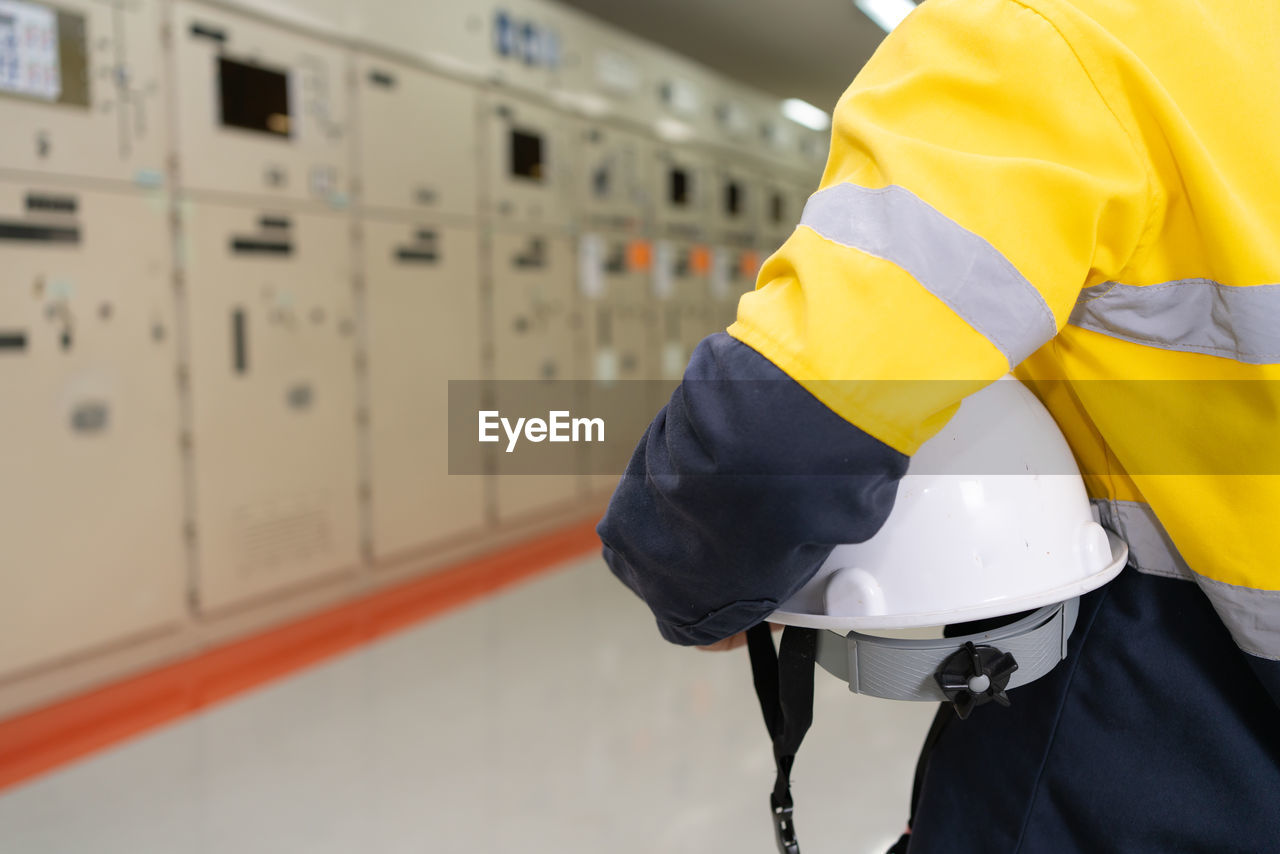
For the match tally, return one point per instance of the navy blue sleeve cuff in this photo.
(736, 494)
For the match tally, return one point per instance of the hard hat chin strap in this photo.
(963, 671)
(784, 686)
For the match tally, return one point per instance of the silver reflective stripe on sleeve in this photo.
(1150, 549)
(1252, 615)
(958, 267)
(1188, 315)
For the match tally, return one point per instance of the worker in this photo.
(1083, 192)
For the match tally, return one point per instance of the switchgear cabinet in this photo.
(273, 396)
(528, 172)
(91, 514)
(418, 138)
(424, 329)
(81, 90)
(536, 326)
(263, 110)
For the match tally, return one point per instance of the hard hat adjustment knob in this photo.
(973, 675)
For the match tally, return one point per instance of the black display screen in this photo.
(680, 190)
(526, 155)
(732, 198)
(254, 97)
(600, 182)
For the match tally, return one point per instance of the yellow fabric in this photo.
(947, 109)
(804, 342)
(1088, 141)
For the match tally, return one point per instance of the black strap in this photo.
(784, 686)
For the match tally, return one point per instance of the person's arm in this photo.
(737, 493)
(977, 181)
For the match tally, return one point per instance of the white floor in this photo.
(550, 718)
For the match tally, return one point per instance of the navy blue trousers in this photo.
(1154, 736)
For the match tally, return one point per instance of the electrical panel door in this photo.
(529, 166)
(683, 94)
(534, 307)
(737, 117)
(81, 91)
(622, 339)
(263, 110)
(536, 327)
(737, 202)
(423, 309)
(91, 510)
(682, 289)
(273, 394)
(780, 138)
(418, 139)
(614, 270)
(620, 322)
(813, 152)
(683, 189)
(782, 204)
(733, 273)
(613, 187)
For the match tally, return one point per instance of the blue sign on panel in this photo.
(529, 43)
(503, 34)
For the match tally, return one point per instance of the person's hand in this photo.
(734, 641)
(731, 642)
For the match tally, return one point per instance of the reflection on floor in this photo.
(550, 718)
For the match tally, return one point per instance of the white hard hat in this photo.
(991, 519)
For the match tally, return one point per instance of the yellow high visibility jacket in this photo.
(1085, 192)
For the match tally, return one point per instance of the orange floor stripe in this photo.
(43, 739)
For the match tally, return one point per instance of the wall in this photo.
(246, 246)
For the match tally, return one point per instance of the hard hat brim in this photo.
(980, 611)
